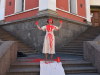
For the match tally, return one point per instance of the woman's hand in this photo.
(60, 24)
(36, 22)
(61, 21)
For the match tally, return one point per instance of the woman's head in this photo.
(50, 21)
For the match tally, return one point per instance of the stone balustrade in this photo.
(8, 55)
(92, 53)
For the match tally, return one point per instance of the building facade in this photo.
(95, 12)
(20, 17)
(2, 10)
(77, 10)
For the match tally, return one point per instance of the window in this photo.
(19, 5)
(22, 5)
(73, 6)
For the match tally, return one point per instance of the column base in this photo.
(2, 21)
(90, 23)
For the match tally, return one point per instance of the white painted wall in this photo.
(52, 4)
(95, 2)
(2, 9)
(47, 4)
(88, 17)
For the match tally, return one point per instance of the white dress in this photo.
(49, 40)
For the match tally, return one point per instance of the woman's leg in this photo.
(51, 56)
(46, 55)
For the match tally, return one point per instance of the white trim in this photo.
(69, 5)
(76, 8)
(15, 7)
(69, 12)
(4, 10)
(24, 5)
(22, 11)
(86, 8)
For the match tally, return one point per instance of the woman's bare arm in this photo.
(36, 22)
(60, 26)
(39, 27)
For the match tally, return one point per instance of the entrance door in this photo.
(95, 18)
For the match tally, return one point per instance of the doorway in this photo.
(95, 18)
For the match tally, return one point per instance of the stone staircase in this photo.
(22, 47)
(25, 66)
(75, 47)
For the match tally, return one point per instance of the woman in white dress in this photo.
(49, 40)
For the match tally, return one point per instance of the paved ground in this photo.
(62, 56)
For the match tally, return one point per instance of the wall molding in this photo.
(70, 13)
(22, 12)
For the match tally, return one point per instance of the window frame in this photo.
(22, 6)
(69, 1)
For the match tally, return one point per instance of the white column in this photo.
(2, 9)
(87, 2)
(47, 4)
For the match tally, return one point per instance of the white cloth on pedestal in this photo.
(54, 68)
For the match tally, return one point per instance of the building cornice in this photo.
(46, 16)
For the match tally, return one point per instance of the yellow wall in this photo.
(95, 2)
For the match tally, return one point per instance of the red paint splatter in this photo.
(61, 21)
(50, 35)
(36, 22)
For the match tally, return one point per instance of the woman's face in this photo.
(50, 21)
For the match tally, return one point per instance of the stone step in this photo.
(25, 49)
(9, 40)
(84, 74)
(90, 34)
(77, 40)
(31, 64)
(36, 71)
(29, 59)
(22, 47)
(67, 46)
(76, 48)
(70, 53)
(86, 37)
(75, 44)
(29, 51)
(83, 39)
(22, 44)
(80, 70)
(24, 71)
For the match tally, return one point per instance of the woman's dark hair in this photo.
(49, 20)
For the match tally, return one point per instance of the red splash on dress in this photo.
(50, 28)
